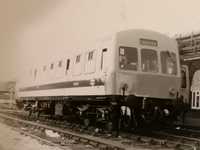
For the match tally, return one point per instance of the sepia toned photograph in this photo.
(99, 75)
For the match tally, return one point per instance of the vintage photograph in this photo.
(99, 75)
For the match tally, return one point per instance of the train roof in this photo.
(138, 34)
(140, 31)
(144, 32)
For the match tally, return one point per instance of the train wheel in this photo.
(38, 114)
(134, 122)
(86, 122)
(109, 126)
(126, 117)
(30, 113)
(126, 122)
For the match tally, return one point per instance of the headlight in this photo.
(166, 112)
(172, 92)
(124, 86)
(170, 70)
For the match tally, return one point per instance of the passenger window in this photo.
(35, 73)
(79, 65)
(30, 72)
(168, 62)
(78, 58)
(128, 58)
(149, 60)
(197, 101)
(68, 62)
(90, 63)
(44, 68)
(67, 66)
(60, 64)
(90, 56)
(194, 97)
(51, 66)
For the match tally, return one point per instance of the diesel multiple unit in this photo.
(137, 70)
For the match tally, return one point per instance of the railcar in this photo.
(137, 71)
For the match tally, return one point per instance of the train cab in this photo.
(139, 69)
(148, 65)
(147, 73)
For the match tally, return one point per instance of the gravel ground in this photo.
(13, 140)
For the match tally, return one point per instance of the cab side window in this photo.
(128, 58)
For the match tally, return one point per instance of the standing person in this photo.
(39, 110)
(52, 109)
(29, 108)
(59, 110)
(116, 117)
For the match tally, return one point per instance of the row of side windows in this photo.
(90, 58)
(52, 66)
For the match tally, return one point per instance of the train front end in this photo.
(148, 69)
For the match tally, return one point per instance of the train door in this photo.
(184, 93)
(104, 60)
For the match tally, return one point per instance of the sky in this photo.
(34, 31)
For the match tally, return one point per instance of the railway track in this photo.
(185, 140)
(159, 140)
(91, 140)
(187, 136)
